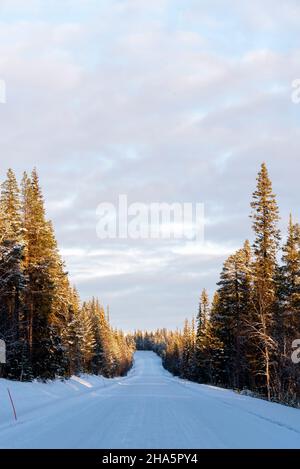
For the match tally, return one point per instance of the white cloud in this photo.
(164, 101)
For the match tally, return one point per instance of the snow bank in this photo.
(36, 394)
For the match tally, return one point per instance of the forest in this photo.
(243, 337)
(48, 331)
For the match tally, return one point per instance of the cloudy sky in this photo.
(162, 100)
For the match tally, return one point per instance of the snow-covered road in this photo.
(147, 409)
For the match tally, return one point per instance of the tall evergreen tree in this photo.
(203, 312)
(202, 321)
(288, 316)
(265, 216)
(10, 218)
(233, 314)
(12, 279)
(188, 350)
(41, 266)
(291, 281)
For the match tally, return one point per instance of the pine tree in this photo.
(98, 355)
(40, 264)
(188, 350)
(12, 279)
(88, 338)
(72, 334)
(10, 218)
(172, 355)
(12, 285)
(213, 345)
(265, 216)
(202, 321)
(288, 315)
(203, 312)
(291, 282)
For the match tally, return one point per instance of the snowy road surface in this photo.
(147, 409)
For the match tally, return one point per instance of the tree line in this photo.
(243, 338)
(48, 331)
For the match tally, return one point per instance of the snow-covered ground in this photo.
(147, 409)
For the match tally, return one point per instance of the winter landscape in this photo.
(149, 408)
(149, 225)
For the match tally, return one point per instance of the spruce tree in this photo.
(10, 216)
(12, 280)
(202, 320)
(288, 316)
(40, 264)
(291, 282)
(265, 215)
(188, 350)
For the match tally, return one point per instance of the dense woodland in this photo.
(47, 330)
(243, 338)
